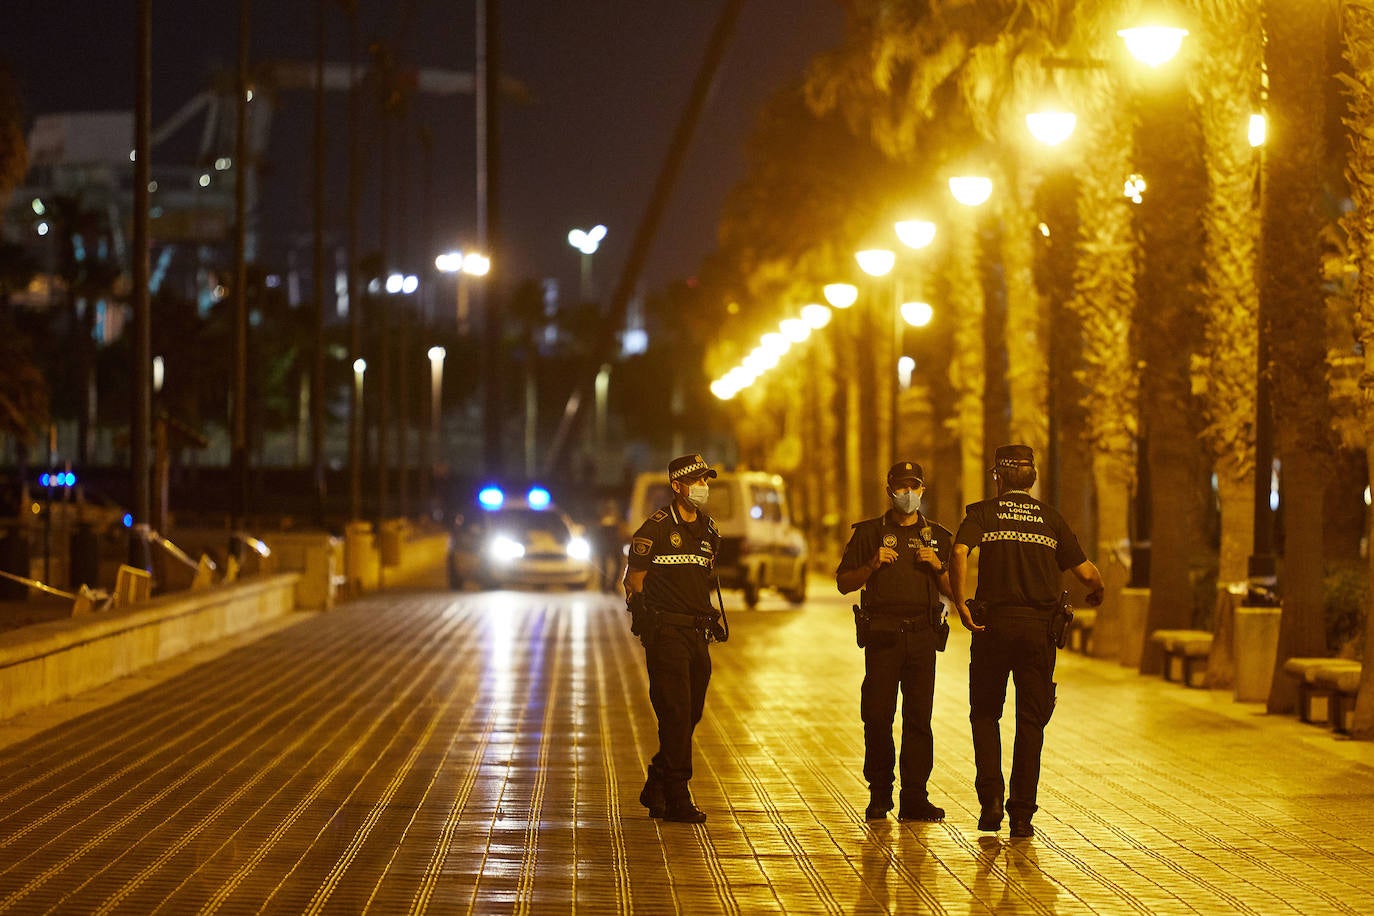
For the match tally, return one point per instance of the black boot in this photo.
(680, 809)
(652, 797)
(879, 803)
(991, 816)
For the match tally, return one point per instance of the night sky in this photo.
(608, 81)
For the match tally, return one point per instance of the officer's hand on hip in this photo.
(966, 617)
(884, 556)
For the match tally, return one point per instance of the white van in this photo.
(759, 546)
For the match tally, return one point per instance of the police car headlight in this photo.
(506, 549)
(579, 549)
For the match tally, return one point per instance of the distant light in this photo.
(359, 366)
(273, 281)
(42, 228)
(436, 354)
(970, 190)
(1135, 187)
(917, 314)
(1153, 44)
(71, 479)
(45, 480)
(394, 283)
(477, 265)
(249, 96)
(133, 155)
(128, 520)
(815, 315)
(152, 187)
(491, 497)
(204, 180)
(841, 295)
(1366, 496)
(38, 207)
(223, 163)
(538, 498)
(634, 340)
(374, 285)
(905, 367)
(1051, 127)
(587, 241)
(220, 292)
(410, 284)
(1259, 130)
(159, 372)
(449, 261)
(876, 262)
(1044, 229)
(915, 233)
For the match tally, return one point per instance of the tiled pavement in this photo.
(482, 753)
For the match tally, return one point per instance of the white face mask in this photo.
(907, 501)
(697, 494)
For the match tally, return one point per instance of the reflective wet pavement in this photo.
(482, 753)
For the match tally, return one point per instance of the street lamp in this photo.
(915, 233)
(1153, 45)
(815, 315)
(436, 382)
(970, 190)
(1051, 126)
(917, 314)
(587, 241)
(462, 265)
(841, 295)
(876, 262)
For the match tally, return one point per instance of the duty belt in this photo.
(690, 621)
(892, 624)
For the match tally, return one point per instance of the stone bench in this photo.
(1081, 630)
(1326, 689)
(1183, 650)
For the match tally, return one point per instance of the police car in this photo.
(519, 541)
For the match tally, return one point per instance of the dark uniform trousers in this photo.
(1016, 642)
(905, 660)
(679, 665)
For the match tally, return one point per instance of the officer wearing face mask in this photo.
(668, 584)
(899, 559)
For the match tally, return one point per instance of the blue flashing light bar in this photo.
(538, 498)
(491, 498)
(60, 479)
(128, 520)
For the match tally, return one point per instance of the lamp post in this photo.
(436, 423)
(463, 265)
(587, 241)
(356, 477)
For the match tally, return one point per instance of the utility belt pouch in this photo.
(861, 626)
(1060, 620)
(939, 622)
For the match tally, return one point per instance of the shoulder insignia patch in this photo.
(659, 516)
(641, 546)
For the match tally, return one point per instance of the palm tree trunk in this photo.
(1027, 362)
(966, 366)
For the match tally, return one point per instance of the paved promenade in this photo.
(482, 753)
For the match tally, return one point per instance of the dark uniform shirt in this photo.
(905, 582)
(1024, 547)
(679, 557)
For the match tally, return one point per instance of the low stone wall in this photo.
(45, 662)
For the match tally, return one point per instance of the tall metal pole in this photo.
(488, 81)
(143, 326)
(355, 302)
(239, 448)
(317, 361)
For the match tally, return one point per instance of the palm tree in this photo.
(1358, 33)
(1292, 318)
(1228, 79)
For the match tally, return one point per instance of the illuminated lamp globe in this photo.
(915, 233)
(970, 190)
(917, 314)
(876, 262)
(815, 315)
(1153, 45)
(1051, 127)
(841, 295)
(794, 329)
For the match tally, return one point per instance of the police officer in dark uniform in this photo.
(1024, 548)
(900, 561)
(668, 582)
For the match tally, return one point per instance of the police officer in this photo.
(1024, 548)
(899, 559)
(668, 583)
